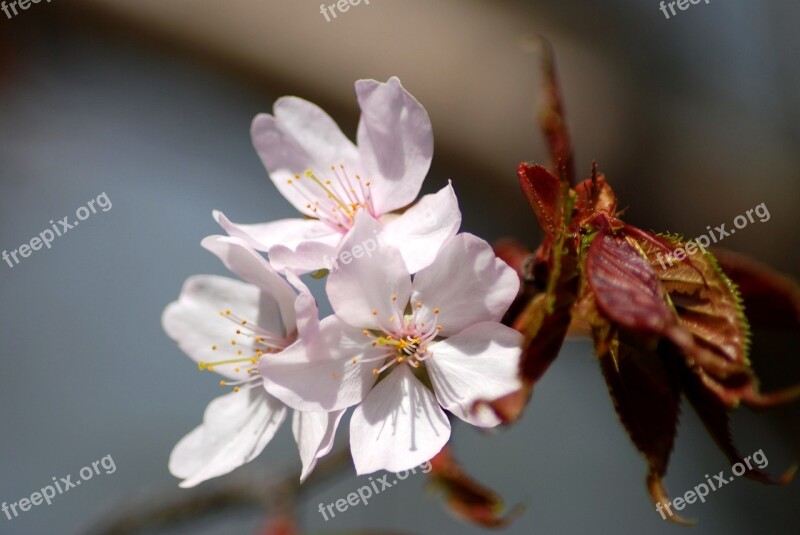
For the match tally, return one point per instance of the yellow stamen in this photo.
(210, 365)
(310, 174)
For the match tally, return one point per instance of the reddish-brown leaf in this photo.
(646, 395)
(594, 196)
(465, 496)
(552, 118)
(544, 335)
(707, 303)
(709, 306)
(544, 193)
(714, 415)
(544, 321)
(771, 299)
(629, 293)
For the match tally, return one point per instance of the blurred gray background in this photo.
(693, 119)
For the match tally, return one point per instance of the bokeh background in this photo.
(693, 119)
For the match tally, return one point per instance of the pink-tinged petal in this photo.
(235, 430)
(307, 257)
(287, 232)
(399, 426)
(277, 310)
(479, 363)
(421, 230)
(467, 283)
(395, 141)
(195, 323)
(307, 316)
(298, 137)
(314, 433)
(367, 274)
(319, 375)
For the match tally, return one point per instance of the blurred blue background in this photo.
(693, 119)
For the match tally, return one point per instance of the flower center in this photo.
(335, 199)
(404, 338)
(250, 342)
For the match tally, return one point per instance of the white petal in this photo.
(314, 433)
(421, 230)
(468, 284)
(367, 274)
(395, 141)
(278, 298)
(194, 322)
(298, 137)
(236, 428)
(479, 363)
(305, 307)
(307, 257)
(399, 426)
(287, 232)
(318, 374)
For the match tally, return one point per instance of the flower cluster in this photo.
(416, 325)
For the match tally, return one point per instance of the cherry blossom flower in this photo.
(404, 349)
(329, 179)
(241, 323)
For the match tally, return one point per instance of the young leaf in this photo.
(544, 193)
(714, 415)
(646, 395)
(772, 300)
(552, 118)
(629, 293)
(708, 305)
(465, 496)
